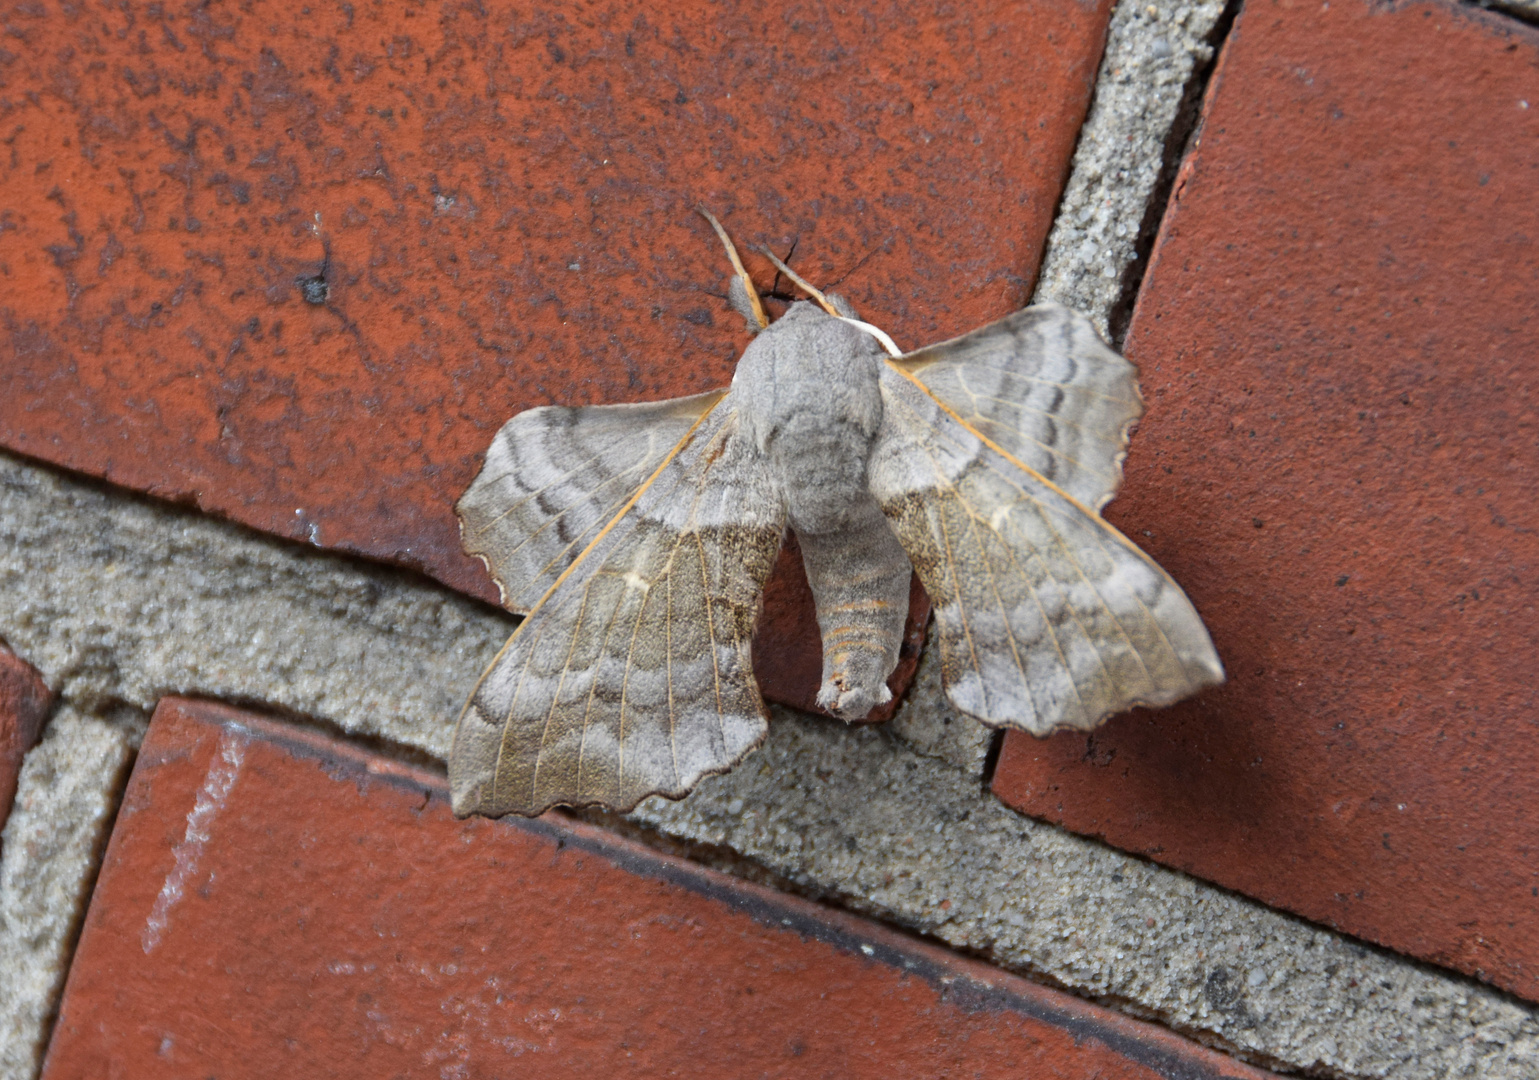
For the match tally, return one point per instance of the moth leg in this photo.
(823, 302)
(741, 292)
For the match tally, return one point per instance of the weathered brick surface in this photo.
(24, 703)
(1340, 462)
(272, 900)
(296, 263)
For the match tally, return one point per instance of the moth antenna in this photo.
(878, 333)
(802, 284)
(737, 264)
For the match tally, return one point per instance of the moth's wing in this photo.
(1047, 616)
(1041, 385)
(632, 676)
(555, 476)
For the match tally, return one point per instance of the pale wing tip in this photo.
(464, 792)
(1202, 670)
(474, 802)
(465, 801)
(472, 789)
(473, 798)
(466, 508)
(1210, 667)
(473, 794)
(468, 785)
(473, 763)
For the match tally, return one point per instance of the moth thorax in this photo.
(823, 475)
(807, 389)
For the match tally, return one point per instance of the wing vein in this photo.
(710, 630)
(508, 717)
(587, 712)
(1045, 515)
(625, 682)
(1018, 463)
(988, 565)
(975, 519)
(1076, 387)
(555, 699)
(1116, 619)
(552, 520)
(967, 630)
(673, 730)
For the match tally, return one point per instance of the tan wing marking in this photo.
(577, 708)
(1095, 615)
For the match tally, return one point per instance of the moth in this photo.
(637, 538)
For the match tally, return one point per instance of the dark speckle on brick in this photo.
(314, 289)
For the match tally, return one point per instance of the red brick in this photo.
(24, 704)
(271, 899)
(172, 172)
(1340, 462)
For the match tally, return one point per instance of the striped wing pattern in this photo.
(632, 676)
(1042, 386)
(555, 476)
(1047, 617)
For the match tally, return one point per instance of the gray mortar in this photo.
(1153, 52)
(65, 800)
(927, 722)
(120, 600)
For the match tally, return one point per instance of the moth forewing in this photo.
(1042, 386)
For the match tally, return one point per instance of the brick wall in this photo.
(275, 274)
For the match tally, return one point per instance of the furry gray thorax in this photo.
(807, 390)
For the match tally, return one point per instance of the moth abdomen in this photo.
(860, 585)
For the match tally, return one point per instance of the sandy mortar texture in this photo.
(1129, 146)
